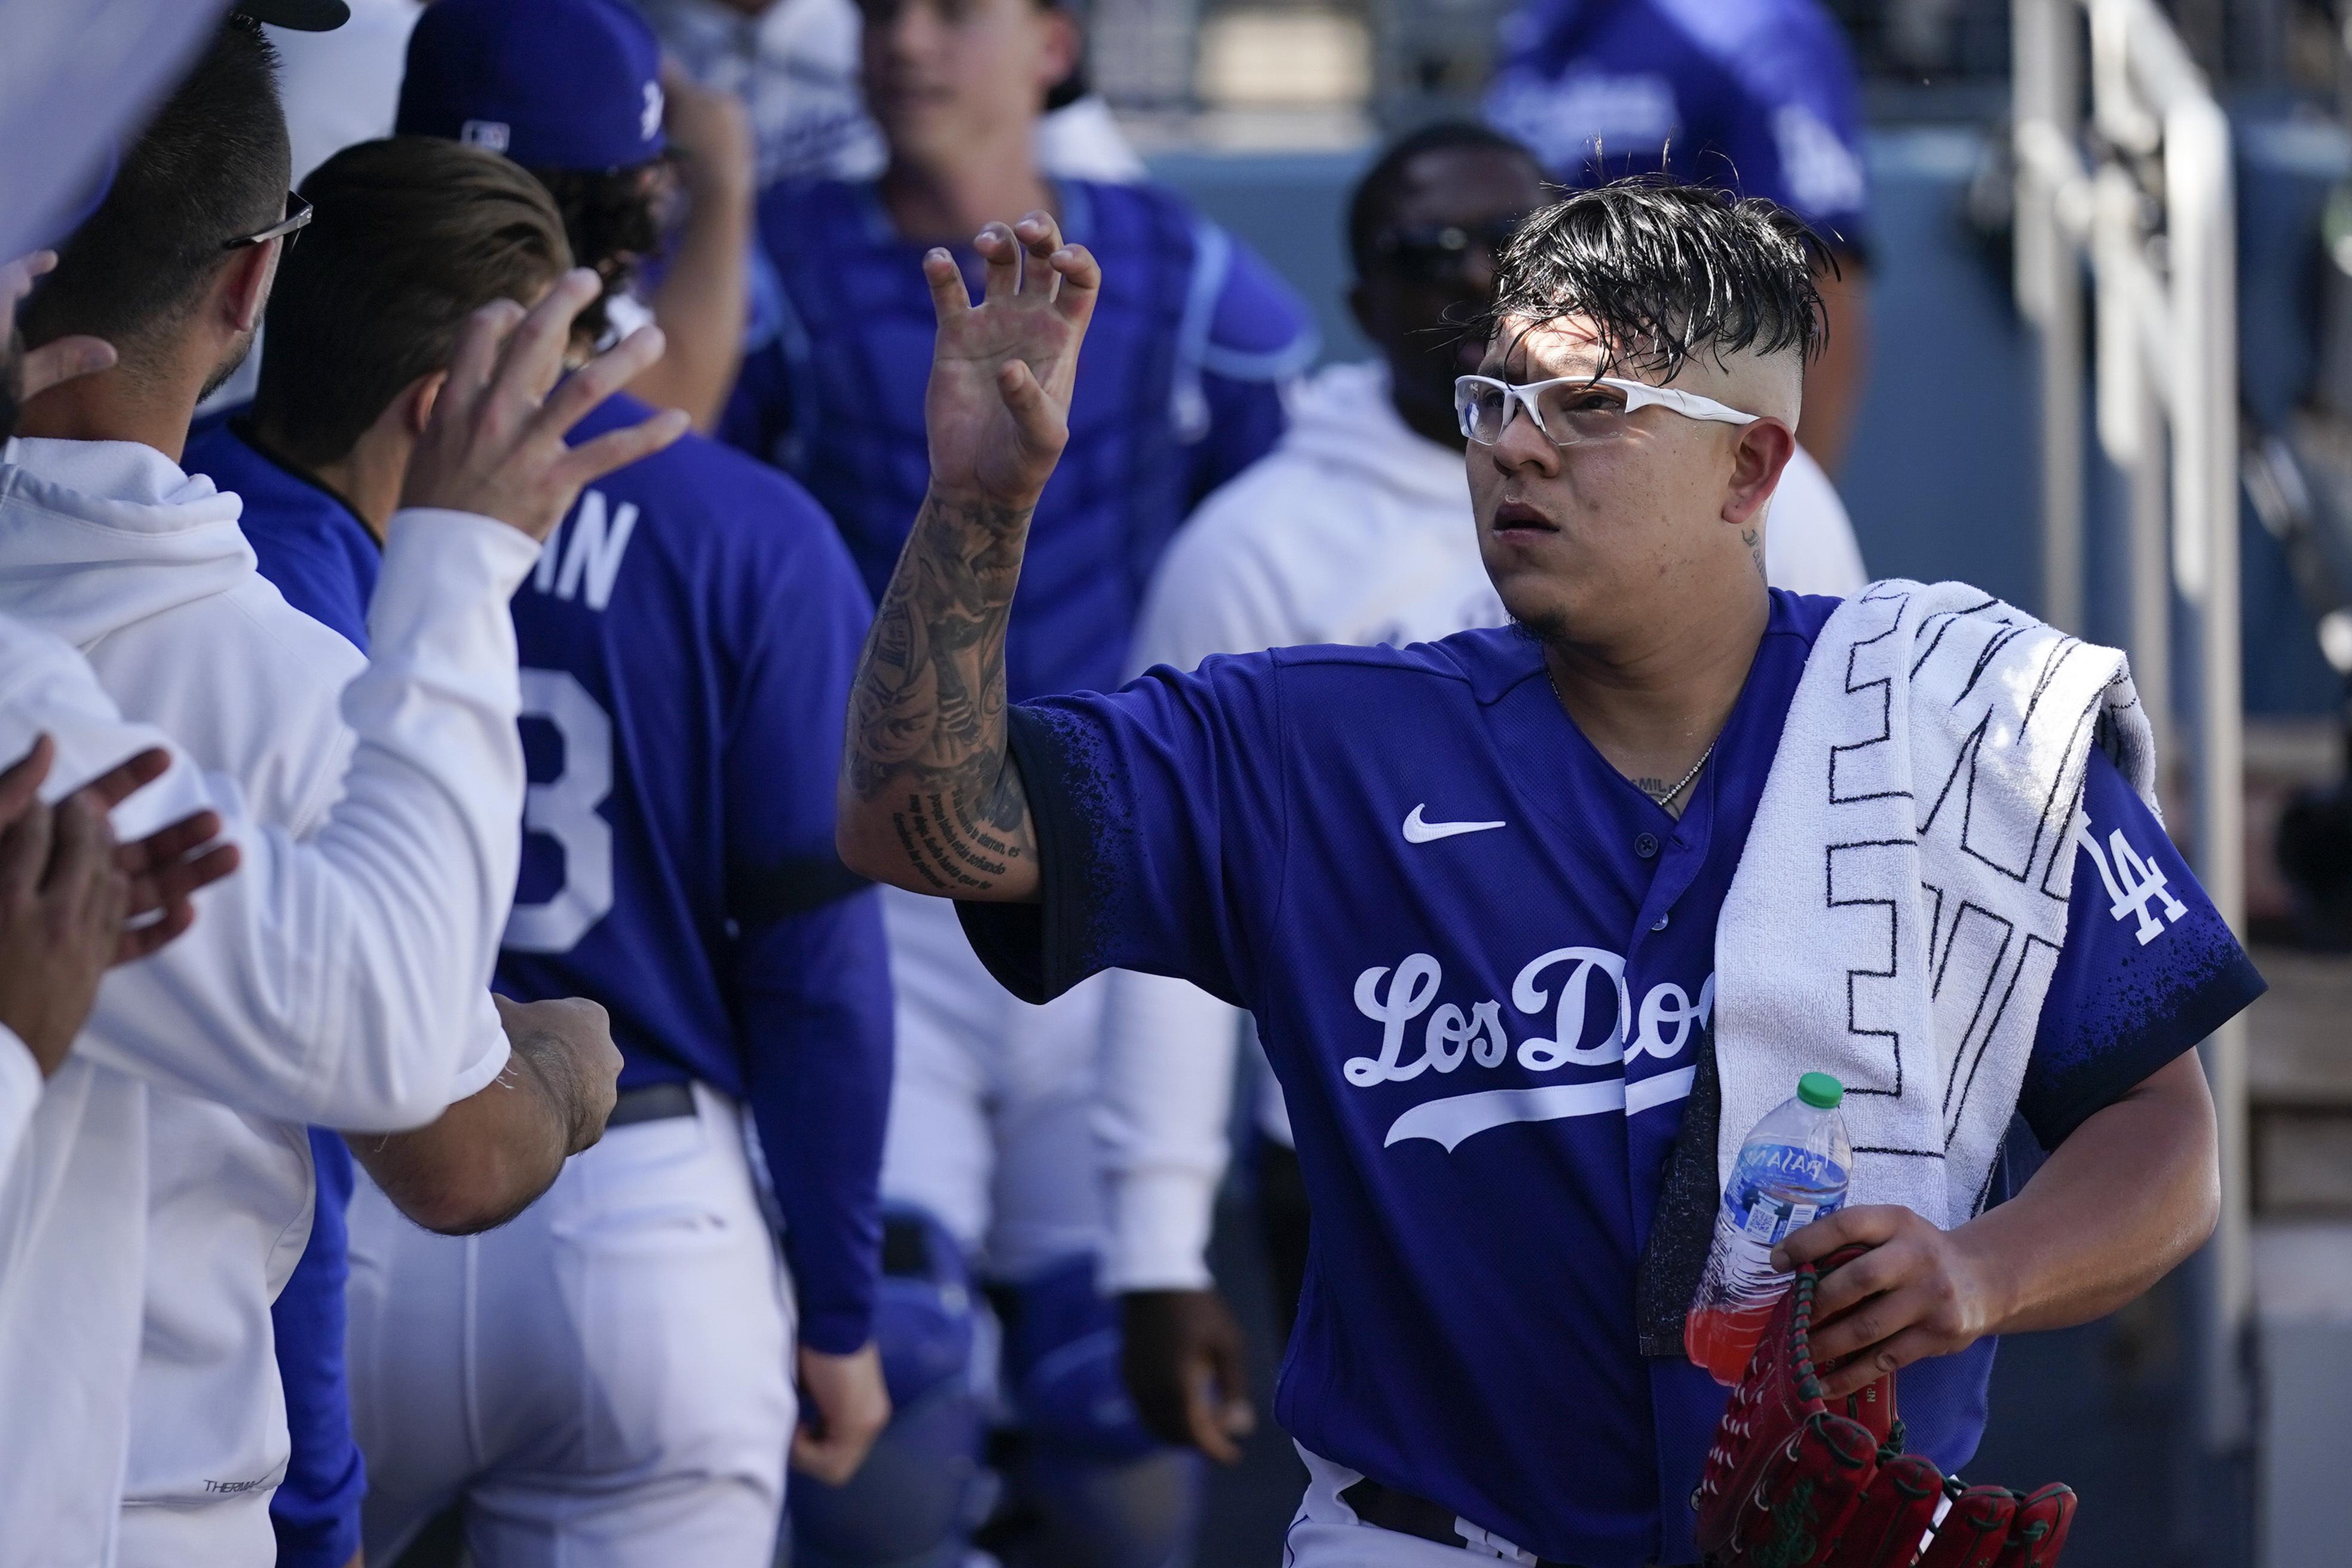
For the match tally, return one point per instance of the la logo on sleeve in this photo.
(2133, 882)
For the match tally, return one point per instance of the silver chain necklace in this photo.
(1681, 784)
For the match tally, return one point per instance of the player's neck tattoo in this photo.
(927, 715)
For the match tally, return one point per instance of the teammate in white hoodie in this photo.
(1357, 529)
(65, 888)
(343, 978)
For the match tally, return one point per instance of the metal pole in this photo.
(2047, 85)
(2168, 348)
(2205, 481)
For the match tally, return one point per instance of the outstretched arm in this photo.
(928, 798)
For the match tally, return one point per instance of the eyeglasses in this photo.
(1441, 251)
(1570, 409)
(290, 228)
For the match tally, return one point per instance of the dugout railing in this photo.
(2123, 199)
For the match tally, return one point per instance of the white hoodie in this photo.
(1354, 530)
(341, 979)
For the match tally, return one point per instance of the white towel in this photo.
(1902, 898)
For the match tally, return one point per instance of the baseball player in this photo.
(1759, 97)
(686, 660)
(318, 554)
(989, 1113)
(794, 64)
(1356, 528)
(155, 567)
(66, 895)
(1421, 870)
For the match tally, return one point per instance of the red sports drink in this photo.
(1723, 1339)
(1792, 1170)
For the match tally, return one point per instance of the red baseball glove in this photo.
(1792, 1483)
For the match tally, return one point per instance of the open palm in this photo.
(998, 405)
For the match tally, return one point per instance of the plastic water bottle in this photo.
(1792, 1170)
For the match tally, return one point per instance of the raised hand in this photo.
(1002, 371)
(495, 444)
(39, 369)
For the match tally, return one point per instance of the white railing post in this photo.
(2164, 298)
(2047, 86)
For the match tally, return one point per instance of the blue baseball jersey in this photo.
(1467, 1329)
(316, 1508)
(306, 538)
(1183, 367)
(1756, 96)
(687, 643)
(323, 559)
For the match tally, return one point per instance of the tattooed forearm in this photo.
(925, 769)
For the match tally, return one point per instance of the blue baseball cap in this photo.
(553, 84)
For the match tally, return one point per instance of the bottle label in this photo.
(1758, 1206)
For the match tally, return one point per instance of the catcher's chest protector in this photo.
(1791, 1484)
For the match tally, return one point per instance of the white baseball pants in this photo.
(992, 1107)
(1326, 1532)
(605, 1379)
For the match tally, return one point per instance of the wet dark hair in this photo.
(1665, 270)
(1372, 205)
(607, 213)
(212, 165)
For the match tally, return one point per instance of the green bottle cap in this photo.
(1820, 1090)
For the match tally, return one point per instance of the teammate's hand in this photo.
(494, 445)
(164, 869)
(61, 906)
(998, 405)
(711, 133)
(569, 1040)
(1186, 1369)
(844, 1405)
(1920, 1291)
(37, 370)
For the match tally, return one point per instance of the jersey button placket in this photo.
(1645, 844)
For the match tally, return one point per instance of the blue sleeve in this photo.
(316, 1508)
(2148, 970)
(810, 977)
(1160, 818)
(1260, 337)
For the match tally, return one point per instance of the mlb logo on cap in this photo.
(553, 84)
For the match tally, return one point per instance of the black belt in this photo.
(652, 1102)
(1409, 1515)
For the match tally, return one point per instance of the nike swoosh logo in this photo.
(1417, 831)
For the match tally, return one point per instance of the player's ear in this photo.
(1060, 54)
(1759, 454)
(245, 284)
(422, 395)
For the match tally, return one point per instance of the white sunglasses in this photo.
(1569, 409)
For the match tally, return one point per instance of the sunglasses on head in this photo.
(288, 229)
